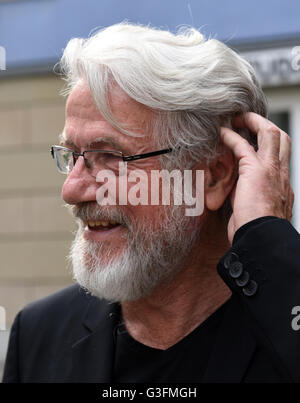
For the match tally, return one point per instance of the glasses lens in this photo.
(64, 160)
(98, 160)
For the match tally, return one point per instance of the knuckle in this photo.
(273, 130)
(285, 134)
(284, 169)
(286, 137)
(283, 199)
(245, 143)
(285, 177)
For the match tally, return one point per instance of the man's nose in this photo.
(80, 185)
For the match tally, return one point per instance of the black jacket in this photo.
(68, 336)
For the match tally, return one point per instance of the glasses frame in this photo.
(125, 158)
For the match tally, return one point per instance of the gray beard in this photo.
(152, 256)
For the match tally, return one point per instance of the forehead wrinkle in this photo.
(80, 103)
(83, 118)
(128, 113)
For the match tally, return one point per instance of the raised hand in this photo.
(263, 186)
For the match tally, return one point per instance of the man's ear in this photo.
(220, 178)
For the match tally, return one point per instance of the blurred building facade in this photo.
(36, 230)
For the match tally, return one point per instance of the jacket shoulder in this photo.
(60, 304)
(45, 329)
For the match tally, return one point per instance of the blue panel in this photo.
(36, 31)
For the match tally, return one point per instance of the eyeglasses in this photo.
(95, 160)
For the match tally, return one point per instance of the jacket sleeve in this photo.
(11, 368)
(263, 269)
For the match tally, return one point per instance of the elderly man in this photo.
(149, 304)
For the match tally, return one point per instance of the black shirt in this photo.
(185, 361)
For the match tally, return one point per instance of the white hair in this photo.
(193, 85)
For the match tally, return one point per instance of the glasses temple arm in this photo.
(147, 155)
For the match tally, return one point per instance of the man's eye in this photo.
(112, 157)
(66, 158)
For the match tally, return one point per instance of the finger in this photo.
(237, 144)
(285, 152)
(268, 134)
(252, 121)
(289, 203)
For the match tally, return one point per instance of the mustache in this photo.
(91, 211)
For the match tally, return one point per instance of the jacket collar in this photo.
(92, 350)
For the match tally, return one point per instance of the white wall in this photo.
(4, 335)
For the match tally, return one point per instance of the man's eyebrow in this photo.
(99, 140)
(105, 140)
(63, 139)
